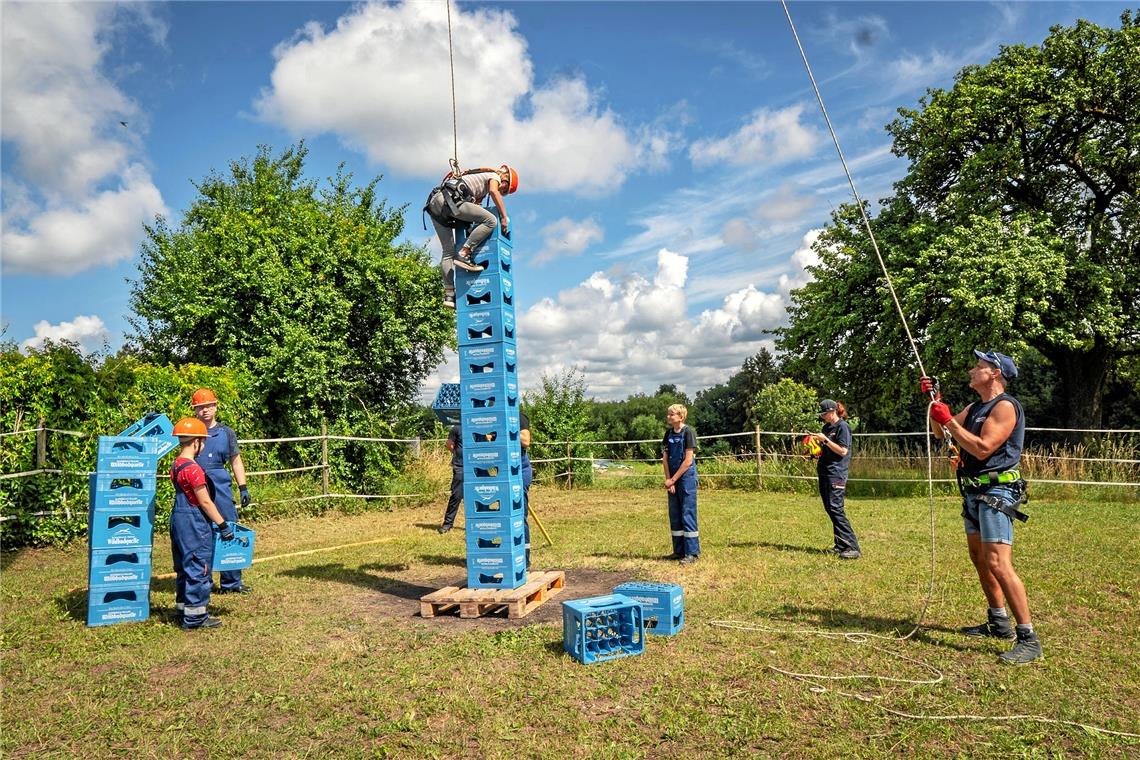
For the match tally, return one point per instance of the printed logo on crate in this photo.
(115, 567)
(119, 530)
(488, 289)
(663, 602)
(487, 358)
(602, 628)
(107, 605)
(236, 554)
(486, 325)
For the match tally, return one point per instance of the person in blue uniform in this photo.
(220, 449)
(678, 457)
(191, 534)
(527, 476)
(991, 435)
(455, 446)
(831, 471)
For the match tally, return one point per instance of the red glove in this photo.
(940, 413)
(929, 387)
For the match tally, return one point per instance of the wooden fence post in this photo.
(41, 446)
(570, 465)
(759, 463)
(324, 458)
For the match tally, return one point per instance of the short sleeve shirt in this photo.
(830, 463)
(524, 424)
(187, 479)
(674, 444)
(479, 183)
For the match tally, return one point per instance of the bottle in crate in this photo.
(663, 603)
(602, 628)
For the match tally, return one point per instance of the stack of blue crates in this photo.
(603, 628)
(120, 521)
(489, 413)
(663, 603)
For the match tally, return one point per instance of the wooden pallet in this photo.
(477, 602)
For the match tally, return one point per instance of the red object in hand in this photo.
(929, 387)
(940, 413)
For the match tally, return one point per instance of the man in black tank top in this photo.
(991, 433)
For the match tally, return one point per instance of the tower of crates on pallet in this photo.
(489, 418)
(120, 520)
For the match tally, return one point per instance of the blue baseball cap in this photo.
(999, 360)
(827, 405)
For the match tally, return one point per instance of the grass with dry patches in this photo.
(328, 657)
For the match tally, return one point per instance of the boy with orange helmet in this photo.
(191, 536)
(456, 202)
(220, 447)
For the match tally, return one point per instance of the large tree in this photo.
(305, 288)
(1015, 227)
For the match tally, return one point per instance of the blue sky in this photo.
(675, 167)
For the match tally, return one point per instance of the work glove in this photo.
(929, 387)
(245, 498)
(225, 531)
(940, 413)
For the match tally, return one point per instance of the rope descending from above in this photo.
(454, 162)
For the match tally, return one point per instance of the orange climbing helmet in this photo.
(512, 179)
(191, 427)
(201, 397)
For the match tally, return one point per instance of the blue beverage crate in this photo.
(489, 427)
(447, 403)
(117, 492)
(107, 605)
(236, 554)
(496, 569)
(663, 605)
(493, 359)
(486, 325)
(155, 426)
(501, 497)
(490, 391)
(474, 290)
(124, 455)
(602, 628)
(119, 567)
(491, 463)
(495, 256)
(123, 530)
(500, 533)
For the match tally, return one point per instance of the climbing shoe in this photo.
(1026, 650)
(994, 627)
(449, 301)
(464, 261)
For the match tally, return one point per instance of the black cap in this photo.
(827, 405)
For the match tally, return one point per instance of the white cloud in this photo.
(81, 193)
(567, 237)
(770, 137)
(785, 204)
(740, 235)
(88, 331)
(802, 258)
(381, 81)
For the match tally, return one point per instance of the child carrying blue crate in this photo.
(191, 534)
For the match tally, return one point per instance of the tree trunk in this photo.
(1083, 375)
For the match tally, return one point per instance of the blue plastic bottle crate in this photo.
(484, 290)
(490, 391)
(602, 628)
(447, 403)
(496, 569)
(120, 567)
(236, 554)
(156, 426)
(498, 533)
(124, 455)
(663, 603)
(487, 359)
(502, 497)
(107, 605)
(486, 325)
(491, 463)
(488, 427)
(116, 492)
(123, 529)
(495, 256)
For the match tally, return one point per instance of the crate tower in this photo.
(120, 520)
(489, 418)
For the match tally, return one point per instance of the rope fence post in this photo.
(324, 458)
(41, 445)
(759, 463)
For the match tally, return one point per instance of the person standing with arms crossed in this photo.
(221, 447)
(831, 471)
(191, 537)
(679, 461)
(991, 435)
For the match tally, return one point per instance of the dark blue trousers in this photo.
(831, 492)
(192, 546)
(683, 516)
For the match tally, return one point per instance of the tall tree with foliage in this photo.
(304, 288)
(559, 412)
(1015, 227)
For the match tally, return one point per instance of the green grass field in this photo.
(329, 658)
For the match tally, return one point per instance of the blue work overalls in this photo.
(527, 476)
(192, 547)
(683, 502)
(215, 455)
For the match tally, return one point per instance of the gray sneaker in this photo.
(1026, 650)
(850, 554)
(994, 627)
